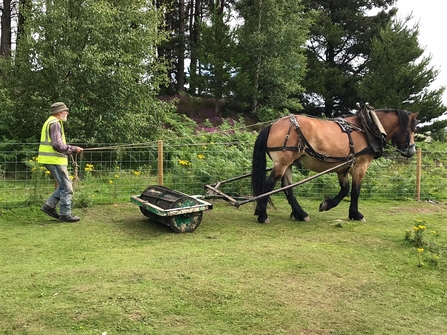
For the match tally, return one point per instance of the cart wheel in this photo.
(148, 214)
(185, 223)
(188, 222)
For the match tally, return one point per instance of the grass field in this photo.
(116, 272)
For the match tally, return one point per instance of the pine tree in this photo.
(338, 49)
(398, 74)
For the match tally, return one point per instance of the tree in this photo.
(215, 57)
(6, 32)
(337, 51)
(99, 57)
(399, 76)
(272, 62)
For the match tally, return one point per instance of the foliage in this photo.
(339, 45)
(273, 64)
(210, 155)
(428, 249)
(398, 76)
(216, 56)
(100, 59)
(39, 174)
(108, 60)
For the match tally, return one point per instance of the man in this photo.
(53, 152)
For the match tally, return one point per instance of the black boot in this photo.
(69, 218)
(50, 211)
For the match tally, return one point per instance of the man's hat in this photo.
(58, 107)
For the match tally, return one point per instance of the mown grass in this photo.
(116, 272)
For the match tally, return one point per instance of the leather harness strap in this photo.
(344, 125)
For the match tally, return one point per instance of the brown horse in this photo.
(319, 145)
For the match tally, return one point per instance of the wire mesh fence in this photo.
(108, 174)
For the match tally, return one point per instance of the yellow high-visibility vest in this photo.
(47, 155)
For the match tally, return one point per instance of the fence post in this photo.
(418, 174)
(160, 162)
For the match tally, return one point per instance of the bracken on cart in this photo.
(182, 212)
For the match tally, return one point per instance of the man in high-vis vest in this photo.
(53, 152)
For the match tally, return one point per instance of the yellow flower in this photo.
(71, 177)
(110, 181)
(136, 173)
(199, 156)
(183, 162)
(88, 167)
(433, 232)
(421, 227)
(415, 228)
(117, 176)
(420, 250)
(47, 172)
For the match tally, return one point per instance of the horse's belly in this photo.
(316, 165)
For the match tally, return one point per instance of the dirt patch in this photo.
(420, 208)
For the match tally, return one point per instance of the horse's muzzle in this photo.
(409, 151)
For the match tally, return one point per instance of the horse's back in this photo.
(314, 138)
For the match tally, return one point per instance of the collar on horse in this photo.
(374, 130)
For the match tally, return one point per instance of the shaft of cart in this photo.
(239, 203)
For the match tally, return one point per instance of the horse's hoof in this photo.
(267, 220)
(360, 220)
(307, 219)
(323, 206)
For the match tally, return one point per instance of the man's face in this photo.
(63, 115)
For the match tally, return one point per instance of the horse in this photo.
(351, 142)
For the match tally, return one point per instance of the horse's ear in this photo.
(414, 115)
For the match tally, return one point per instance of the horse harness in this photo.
(345, 126)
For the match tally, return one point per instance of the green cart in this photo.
(182, 212)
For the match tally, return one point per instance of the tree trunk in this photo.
(24, 5)
(258, 66)
(5, 40)
(195, 15)
(181, 48)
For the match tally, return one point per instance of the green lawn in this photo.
(116, 272)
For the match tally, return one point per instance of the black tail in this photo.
(259, 163)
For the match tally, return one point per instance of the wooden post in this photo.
(160, 162)
(418, 174)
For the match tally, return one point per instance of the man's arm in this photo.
(56, 140)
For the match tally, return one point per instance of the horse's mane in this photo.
(403, 118)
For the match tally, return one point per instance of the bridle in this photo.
(408, 147)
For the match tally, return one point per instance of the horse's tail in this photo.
(259, 163)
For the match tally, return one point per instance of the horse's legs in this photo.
(357, 177)
(354, 213)
(261, 204)
(329, 203)
(297, 211)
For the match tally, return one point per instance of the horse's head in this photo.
(403, 140)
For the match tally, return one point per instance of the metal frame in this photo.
(215, 187)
